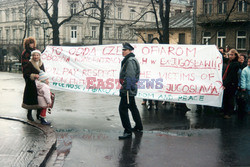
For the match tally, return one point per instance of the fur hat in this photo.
(42, 76)
(36, 51)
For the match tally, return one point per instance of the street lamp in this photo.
(44, 23)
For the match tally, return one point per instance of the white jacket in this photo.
(245, 78)
(43, 91)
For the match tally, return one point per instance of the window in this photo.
(73, 34)
(208, 7)
(13, 14)
(7, 34)
(241, 40)
(150, 37)
(177, 11)
(132, 14)
(206, 38)
(222, 6)
(73, 31)
(73, 8)
(14, 34)
(94, 31)
(221, 39)
(20, 14)
(181, 38)
(144, 18)
(119, 33)
(20, 33)
(107, 32)
(242, 6)
(93, 13)
(7, 15)
(107, 13)
(119, 13)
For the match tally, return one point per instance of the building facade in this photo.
(80, 30)
(180, 30)
(225, 23)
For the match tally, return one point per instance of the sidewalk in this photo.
(25, 143)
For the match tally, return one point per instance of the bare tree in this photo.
(162, 23)
(53, 16)
(101, 15)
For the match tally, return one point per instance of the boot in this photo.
(44, 122)
(38, 114)
(29, 115)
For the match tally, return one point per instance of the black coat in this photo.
(232, 74)
(30, 92)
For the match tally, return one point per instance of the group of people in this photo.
(36, 94)
(236, 80)
(236, 77)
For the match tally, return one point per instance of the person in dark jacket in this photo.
(129, 76)
(230, 82)
(31, 73)
(29, 45)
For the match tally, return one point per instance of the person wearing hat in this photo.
(44, 98)
(129, 76)
(31, 73)
(29, 44)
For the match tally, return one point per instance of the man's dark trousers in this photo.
(123, 110)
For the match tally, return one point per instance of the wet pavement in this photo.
(20, 143)
(87, 127)
(25, 143)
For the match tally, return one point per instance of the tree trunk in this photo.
(166, 22)
(56, 39)
(101, 24)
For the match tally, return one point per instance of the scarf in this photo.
(126, 58)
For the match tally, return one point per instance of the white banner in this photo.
(177, 73)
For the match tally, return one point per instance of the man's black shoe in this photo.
(125, 136)
(136, 130)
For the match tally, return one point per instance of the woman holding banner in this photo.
(230, 83)
(31, 73)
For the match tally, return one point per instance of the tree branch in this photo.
(140, 17)
(156, 20)
(140, 36)
(76, 14)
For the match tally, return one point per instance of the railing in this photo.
(11, 67)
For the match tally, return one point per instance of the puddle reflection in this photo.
(130, 150)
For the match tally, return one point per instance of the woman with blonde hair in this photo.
(230, 82)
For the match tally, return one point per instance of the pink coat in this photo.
(43, 91)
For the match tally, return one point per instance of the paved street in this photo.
(88, 125)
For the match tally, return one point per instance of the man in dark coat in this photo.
(129, 76)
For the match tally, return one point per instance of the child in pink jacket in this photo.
(44, 96)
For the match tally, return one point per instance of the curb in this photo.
(50, 141)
